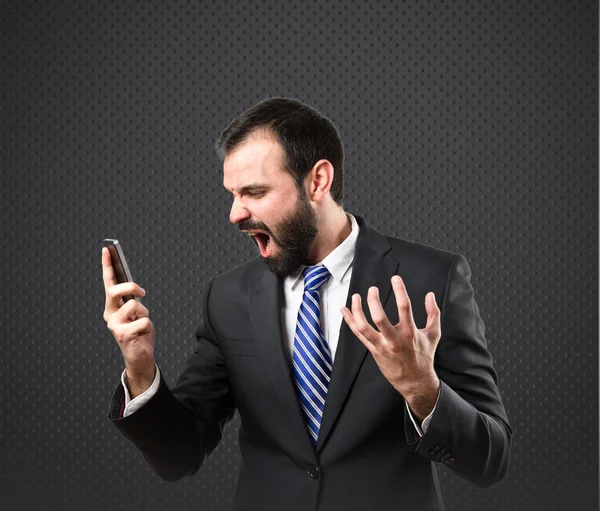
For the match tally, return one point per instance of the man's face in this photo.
(267, 203)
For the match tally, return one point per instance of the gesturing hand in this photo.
(403, 353)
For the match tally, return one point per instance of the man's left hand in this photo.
(403, 353)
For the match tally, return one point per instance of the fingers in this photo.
(127, 332)
(108, 276)
(114, 296)
(352, 324)
(114, 292)
(126, 312)
(108, 272)
(405, 315)
(126, 288)
(358, 323)
(433, 325)
(378, 314)
(129, 314)
(132, 309)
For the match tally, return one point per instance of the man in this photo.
(341, 407)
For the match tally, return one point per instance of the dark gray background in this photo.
(470, 126)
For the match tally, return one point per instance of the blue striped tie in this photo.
(312, 359)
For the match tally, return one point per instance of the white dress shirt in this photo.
(333, 297)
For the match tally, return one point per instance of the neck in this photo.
(334, 228)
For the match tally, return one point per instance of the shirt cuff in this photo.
(423, 428)
(131, 405)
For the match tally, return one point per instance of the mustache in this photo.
(250, 226)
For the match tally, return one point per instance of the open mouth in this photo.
(263, 242)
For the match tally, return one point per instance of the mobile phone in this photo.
(122, 271)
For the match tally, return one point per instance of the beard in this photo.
(293, 236)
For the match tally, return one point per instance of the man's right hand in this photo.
(131, 328)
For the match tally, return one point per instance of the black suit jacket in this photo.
(368, 456)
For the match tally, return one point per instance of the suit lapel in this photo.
(370, 268)
(265, 314)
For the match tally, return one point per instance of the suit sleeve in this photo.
(177, 428)
(469, 430)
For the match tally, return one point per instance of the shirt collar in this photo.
(338, 260)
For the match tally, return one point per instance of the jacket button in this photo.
(314, 472)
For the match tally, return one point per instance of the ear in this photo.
(319, 180)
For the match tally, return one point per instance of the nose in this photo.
(238, 212)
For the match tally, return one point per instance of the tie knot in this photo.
(315, 277)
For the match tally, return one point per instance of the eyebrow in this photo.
(251, 187)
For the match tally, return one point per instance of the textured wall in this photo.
(471, 126)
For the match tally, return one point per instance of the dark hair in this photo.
(305, 135)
